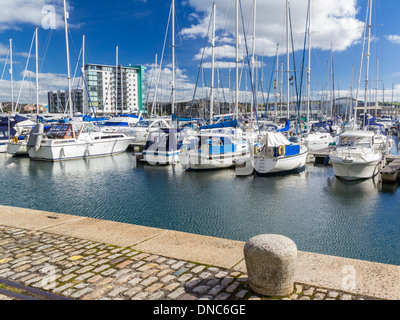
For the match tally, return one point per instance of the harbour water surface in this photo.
(317, 211)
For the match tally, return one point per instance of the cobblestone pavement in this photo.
(87, 270)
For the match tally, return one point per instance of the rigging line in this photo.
(161, 62)
(302, 71)
(86, 86)
(270, 85)
(5, 65)
(47, 44)
(26, 67)
(250, 73)
(294, 66)
(293, 53)
(199, 71)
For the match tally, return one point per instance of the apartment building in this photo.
(115, 90)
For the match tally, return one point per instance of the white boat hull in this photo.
(354, 169)
(72, 149)
(17, 148)
(195, 162)
(264, 165)
(161, 158)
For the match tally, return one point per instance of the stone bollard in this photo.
(270, 261)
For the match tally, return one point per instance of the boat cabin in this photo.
(163, 139)
(356, 139)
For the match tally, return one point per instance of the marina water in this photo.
(320, 213)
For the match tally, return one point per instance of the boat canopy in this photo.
(357, 133)
(224, 124)
(324, 125)
(276, 139)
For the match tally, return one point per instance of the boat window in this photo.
(60, 131)
(142, 124)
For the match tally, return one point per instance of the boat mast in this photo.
(367, 55)
(276, 81)
(173, 59)
(212, 67)
(287, 59)
(377, 85)
(332, 93)
(116, 80)
(12, 79)
(66, 17)
(237, 62)
(83, 75)
(360, 71)
(37, 71)
(253, 55)
(309, 67)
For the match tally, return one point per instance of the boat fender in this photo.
(282, 150)
(39, 138)
(15, 140)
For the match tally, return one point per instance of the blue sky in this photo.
(138, 28)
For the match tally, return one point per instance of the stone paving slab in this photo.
(33, 219)
(83, 269)
(357, 278)
(208, 250)
(106, 231)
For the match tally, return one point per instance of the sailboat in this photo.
(222, 144)
(19, 145)
(216, 146)
(13, 130)
(276, 154)
(76, 139)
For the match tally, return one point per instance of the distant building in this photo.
(114, 92)
(58, 101)
(109, 93)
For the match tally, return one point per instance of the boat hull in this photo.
(160, 158)
(354, 170)
(194, 161)
(280, 165)
(69, 150)
(17, 149)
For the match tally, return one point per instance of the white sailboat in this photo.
(213, 149)
(19, 147)
(76, 139)
(278, 155)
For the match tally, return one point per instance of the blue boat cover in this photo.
(224, 124)
(286, 128)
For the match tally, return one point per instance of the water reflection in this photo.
(318, 211)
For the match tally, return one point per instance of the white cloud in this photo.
(333, 22)
(393, 38)
(14, 13)
(27, 91)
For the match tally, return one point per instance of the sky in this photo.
(139, 28)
